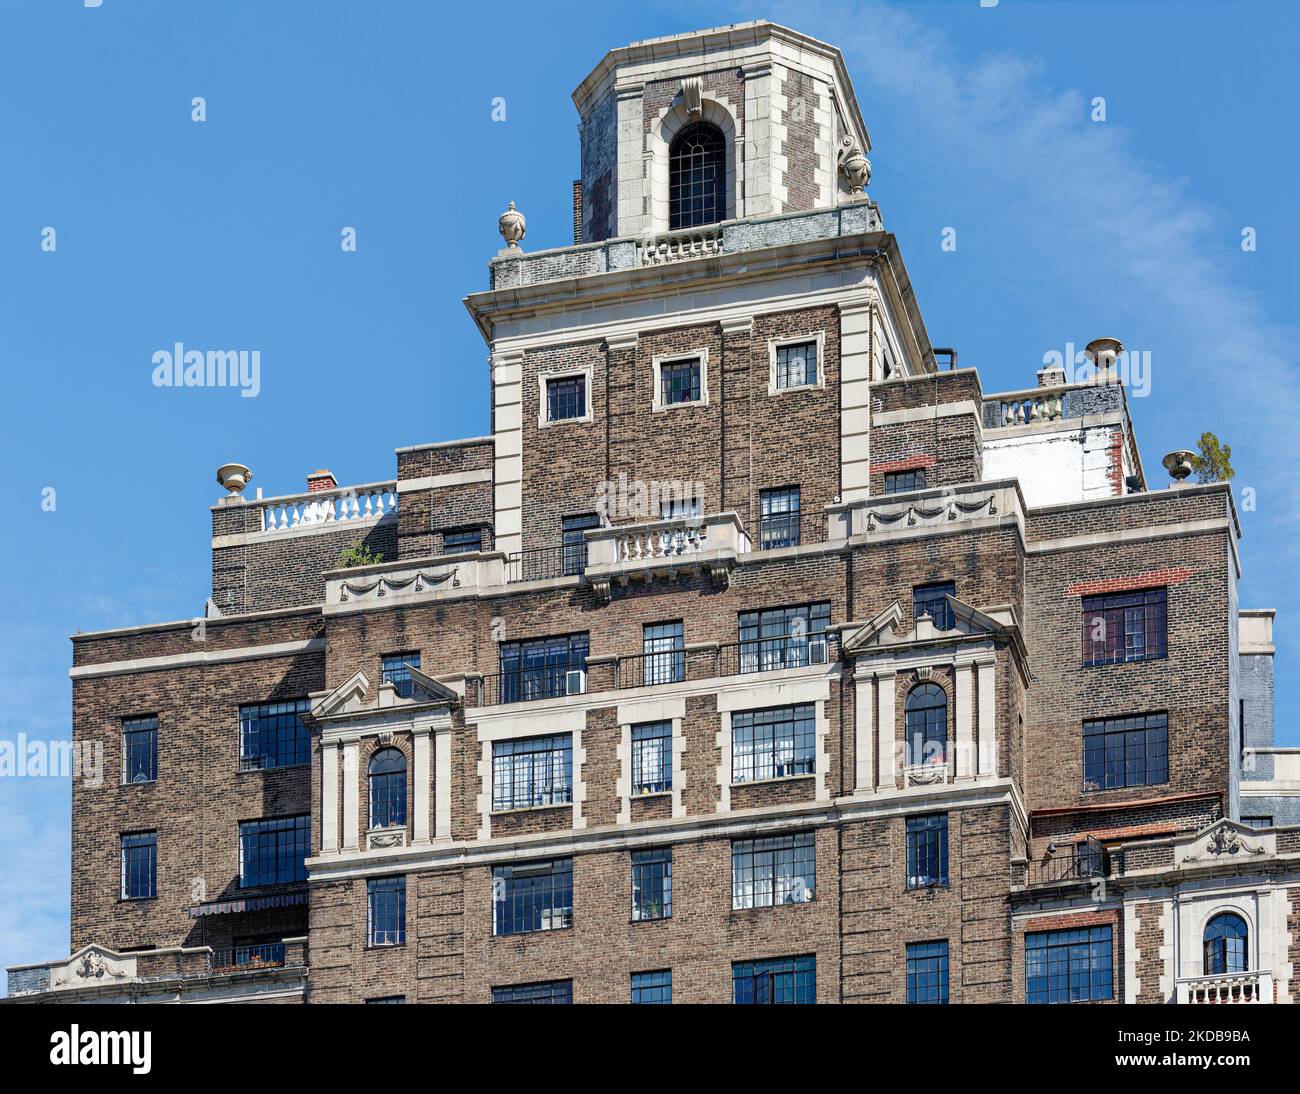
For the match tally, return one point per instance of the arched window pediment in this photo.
(926, 711)
(1225, 944)
(697, 176)
(387, 788)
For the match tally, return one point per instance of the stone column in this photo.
(442, 782)
(863, 725)
(964, 713)
(855, 399)
(988, 751)
(351, 799)
(329, 797)
(422, 782)
(885, 743)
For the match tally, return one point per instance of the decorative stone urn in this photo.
(1103, 352)
(233, 477)
(512, 226)
(854, 166)
(1178, 464)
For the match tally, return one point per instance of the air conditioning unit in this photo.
(817, 649)
(575, 682)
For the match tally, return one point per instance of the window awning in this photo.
(249, 904)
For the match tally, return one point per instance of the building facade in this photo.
(753, 657)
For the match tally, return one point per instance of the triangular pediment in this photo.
(430, 690)
(347, 698)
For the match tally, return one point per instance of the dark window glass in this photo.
(387, 899)
(395, 669)
(772, 744)
(778, 522)
(1124, 627)
(1068, 966)
(539, 668)
(140, 749)
(927, 972)
(1258, 822)
(927, 851)
(532, 771)
(573, 558)
(932, 600)
(652, 884)
(465, 539)
(900, 482)
(771, 871)
(273, 735)
(664, 649)
(1121, 752)
(778, 980)
(274, 851)
(679, 382)
(140, 866)
(927, 725)
(549, 991)
(652, 987)
(652, 758)
(534, 896)
(387, 789)
(796, 365)
(388, 999)
(566, 398)
(1225, 945)
(697, 177)
(784, 638)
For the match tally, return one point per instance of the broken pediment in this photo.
(1224, 841)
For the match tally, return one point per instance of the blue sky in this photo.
(323, 114)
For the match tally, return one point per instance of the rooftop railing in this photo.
(340, 505)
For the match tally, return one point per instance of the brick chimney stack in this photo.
(320, 480)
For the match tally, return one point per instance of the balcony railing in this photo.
(1076, 862)
(542, 563)
(1233, 987)
(756, 655)
(259, 955)
(530, 685)
(342, 505)
(779, 530)
(676, 246)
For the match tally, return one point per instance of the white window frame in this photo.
(673, 358)
(543, 381)
(773, 344)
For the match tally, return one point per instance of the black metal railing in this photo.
(1073, 862)
(541, 563)
(528, 685)
(643, 670)
(779, 530)
(790, 651)
(257, 955)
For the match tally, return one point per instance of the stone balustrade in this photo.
(663, 548)
(1235, 987)
(341, 505)
(1051, 404)
(677, 246)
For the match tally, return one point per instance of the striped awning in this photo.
(249, 904)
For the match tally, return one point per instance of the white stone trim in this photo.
(963, 711)
(886, 733)
(351, 796)
(437, 482)
(422, 775)
(856, 324)
(544, 379)
(636, 712)
(988, 725)
(927, 413)
(508, 461)
(718, 111)
(329, 793)
(1132, 986)
(656, 365)
(442, 783)
(773, 344)
(1167, 977)
(199, 657)
(864, 701)
(550, 721)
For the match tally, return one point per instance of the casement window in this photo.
(1068, 966)
(778, 521)
(1124, 627)
(652, 884)
(546, 991)
(776, 980)
(926, 711)
(573, 551)
(1258, 822)
(927, 851)
(566, 398)
(1119, 752)
(697, 177)
(652, 987)
(927, 972)
(395, 669)
(679, 508)
(784, 638)
(652, 758)
(274, 851)
(387, 773)
(139, 865)
(386, 898)
(796, 365)
(532, 771)
(932, 600)
(900, 482)
(462, 539)
(774, 870)
(681, 382)
(388, 999)
(663, 648)
(543, 668)
(273, 735)
(773, 744)
(140, 749)
(533, 896)
(1225, 945)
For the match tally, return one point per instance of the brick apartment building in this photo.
(754, 656)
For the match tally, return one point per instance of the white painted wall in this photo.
(1069, 463)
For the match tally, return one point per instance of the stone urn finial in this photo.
(1179, 465)
(233, 477)
(512, 226)
(854, 166)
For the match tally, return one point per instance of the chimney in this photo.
(1051, 376)
(577, 212)
(320, 480)
(1102, 352)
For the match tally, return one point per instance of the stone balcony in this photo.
(1059, 402)
(1236, 987)
(664, 549)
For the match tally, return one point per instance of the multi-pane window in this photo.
(652, 884)
(784, 638)
(677, 508)
(395, 669)
(652, 758)
(140, 749)
(531, 771)
(546, 991)
(386, 897)
(1124, 627)
(387, 789)
(1258, 822)
(774, 870)
(1121, 752)
(462, 539)
(566, 397)
(1225, 941)
(680, 381)
(274, 851)
(927, 851)
(573, 551)
(899, 482)
(388, 999)
(273, 735)
(926, 711)
(664, 653)
(139, 865)
(927, 972)
(796, 365)
(932, 600)
(777, 980)
(1068, 966)
(539, 668)
(773, 743)
(697, 177)
(652, 987)
(533, 896)
(778, 521)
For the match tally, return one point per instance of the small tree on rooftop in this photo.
(359, 555)
(1213, 460)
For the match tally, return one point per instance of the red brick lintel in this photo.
(1152, 579)
(908, 463)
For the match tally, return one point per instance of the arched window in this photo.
(697, 177)
(387, 788)
(927, 725)
(1225, 944)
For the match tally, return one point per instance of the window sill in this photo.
(640, 796)
(929, 887)
(539, 930)
(240, 770)
(662, 407)
(795, 389)
(125, 784)
(551, 423)
(773, 907)
(529, 809)
(775, 779)
(1122, 664)
(384, 945)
